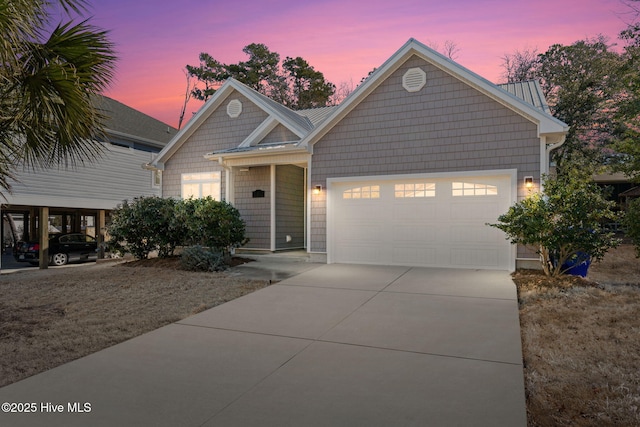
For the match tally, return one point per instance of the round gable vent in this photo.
(414, 80)
(234, 108)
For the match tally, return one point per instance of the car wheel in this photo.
(59, 259)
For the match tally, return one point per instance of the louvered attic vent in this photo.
(414, 80)
(234, 108)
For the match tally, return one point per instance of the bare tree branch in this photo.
(187, 97)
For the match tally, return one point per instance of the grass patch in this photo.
(51, 317)
(581, 345)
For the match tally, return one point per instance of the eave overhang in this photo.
(278, 114)
(549, 127)
(262, 155)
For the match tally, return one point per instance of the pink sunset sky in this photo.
(342, 39)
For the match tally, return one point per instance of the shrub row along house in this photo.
(407, 170)
(78, 199)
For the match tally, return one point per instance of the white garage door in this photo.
(420, 221)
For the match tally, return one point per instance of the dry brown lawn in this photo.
(50, 317)
(581, 344)
(581, 338)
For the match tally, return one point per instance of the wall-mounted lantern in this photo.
(528, 181)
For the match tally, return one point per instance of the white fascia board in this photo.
(192, 125)
(293, 127)
(213, 104)
(350, 102)
(260, 132)
(275, 155)
(547, 125)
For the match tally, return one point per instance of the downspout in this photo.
(228, 181)
(550, 148)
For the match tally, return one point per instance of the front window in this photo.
(199, 185)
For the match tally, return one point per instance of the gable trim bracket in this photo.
(259, 133)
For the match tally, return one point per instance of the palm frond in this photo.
(47, 113)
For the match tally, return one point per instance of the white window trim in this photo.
(155, 173)
(216, 179)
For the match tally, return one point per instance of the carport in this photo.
(22, 223)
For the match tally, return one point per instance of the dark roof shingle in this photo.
(124, 119)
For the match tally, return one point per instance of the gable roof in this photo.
(524, 98)
(124, 121)
(548, 125)
(299, 124)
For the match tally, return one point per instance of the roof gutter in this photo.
(261, 152)
(130, 137)
(552, 147)
(549, 148)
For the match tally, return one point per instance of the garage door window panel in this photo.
(463, 189)
(366, 192)
(415, 190)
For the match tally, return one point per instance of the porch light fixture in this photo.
(528, 181)
(317, 189)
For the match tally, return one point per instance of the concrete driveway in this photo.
(336, 345)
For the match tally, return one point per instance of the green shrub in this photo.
(156, 224)
(144, 225)
(213, 224)
(561, 222)
(632, 224)
(199, 258)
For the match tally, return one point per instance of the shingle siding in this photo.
(219, 132)
(280, 134)
(447, 126)
(289, 206)
(256, 212)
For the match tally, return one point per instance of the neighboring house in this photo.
(626, 197)
(77, 199)
(406, 171)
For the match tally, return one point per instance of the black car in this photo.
(62, 249)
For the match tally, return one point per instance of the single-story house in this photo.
(78, 198)
(407, 170)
